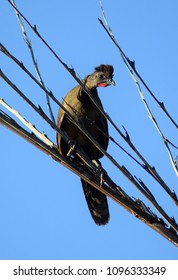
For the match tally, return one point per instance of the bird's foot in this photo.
(99, 171)
(72, 151)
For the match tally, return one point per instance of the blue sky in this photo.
(43, 210)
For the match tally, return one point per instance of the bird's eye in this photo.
(102, 76)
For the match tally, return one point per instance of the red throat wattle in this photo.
(102, 85)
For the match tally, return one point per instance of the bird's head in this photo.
(102, 77)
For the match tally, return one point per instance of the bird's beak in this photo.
(107, 82)
(110, 82)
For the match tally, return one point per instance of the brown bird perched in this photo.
(82, 108)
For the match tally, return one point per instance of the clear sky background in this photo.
(43, 213)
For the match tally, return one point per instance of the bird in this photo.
(82, 108)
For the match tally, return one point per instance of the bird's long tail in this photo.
(97, 204)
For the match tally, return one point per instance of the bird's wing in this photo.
(103, 134)
(61, 115)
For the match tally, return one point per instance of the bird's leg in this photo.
(99, 170)
(73, 155)
(72, 150)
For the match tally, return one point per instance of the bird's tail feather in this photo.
(97, 204)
